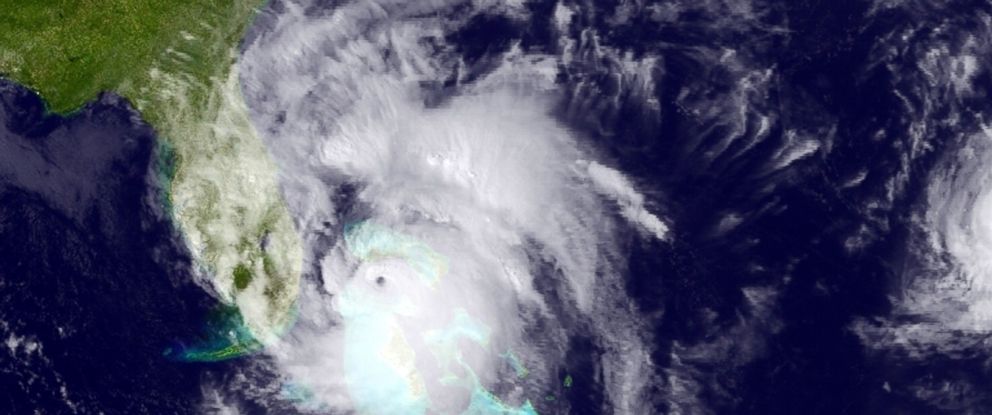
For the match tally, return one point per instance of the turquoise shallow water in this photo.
(383, 358)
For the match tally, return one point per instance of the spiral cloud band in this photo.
(459, 239)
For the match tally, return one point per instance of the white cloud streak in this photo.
(485, 183)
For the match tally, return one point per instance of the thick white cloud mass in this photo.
(943, 304)
(946, 301)
(961, 214)
(478, 240)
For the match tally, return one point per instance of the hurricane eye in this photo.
(380, 280)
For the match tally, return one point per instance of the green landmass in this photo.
(175, 61)
(71, 50)
(242, 276)
(227, 338)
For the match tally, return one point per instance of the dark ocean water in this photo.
(95, 276)
(88, 271)
(819, 244)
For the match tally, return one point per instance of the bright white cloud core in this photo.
(485, 241)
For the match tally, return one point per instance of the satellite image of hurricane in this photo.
(496, 207)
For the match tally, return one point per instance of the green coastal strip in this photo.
(175, 61)
(226, 338)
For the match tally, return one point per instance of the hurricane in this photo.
(457, 241)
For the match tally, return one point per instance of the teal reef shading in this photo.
(227, 338)
(485, 403)
(380, 357)
(303, 397)
(444, 342)
(515, 363)
(369, 242)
